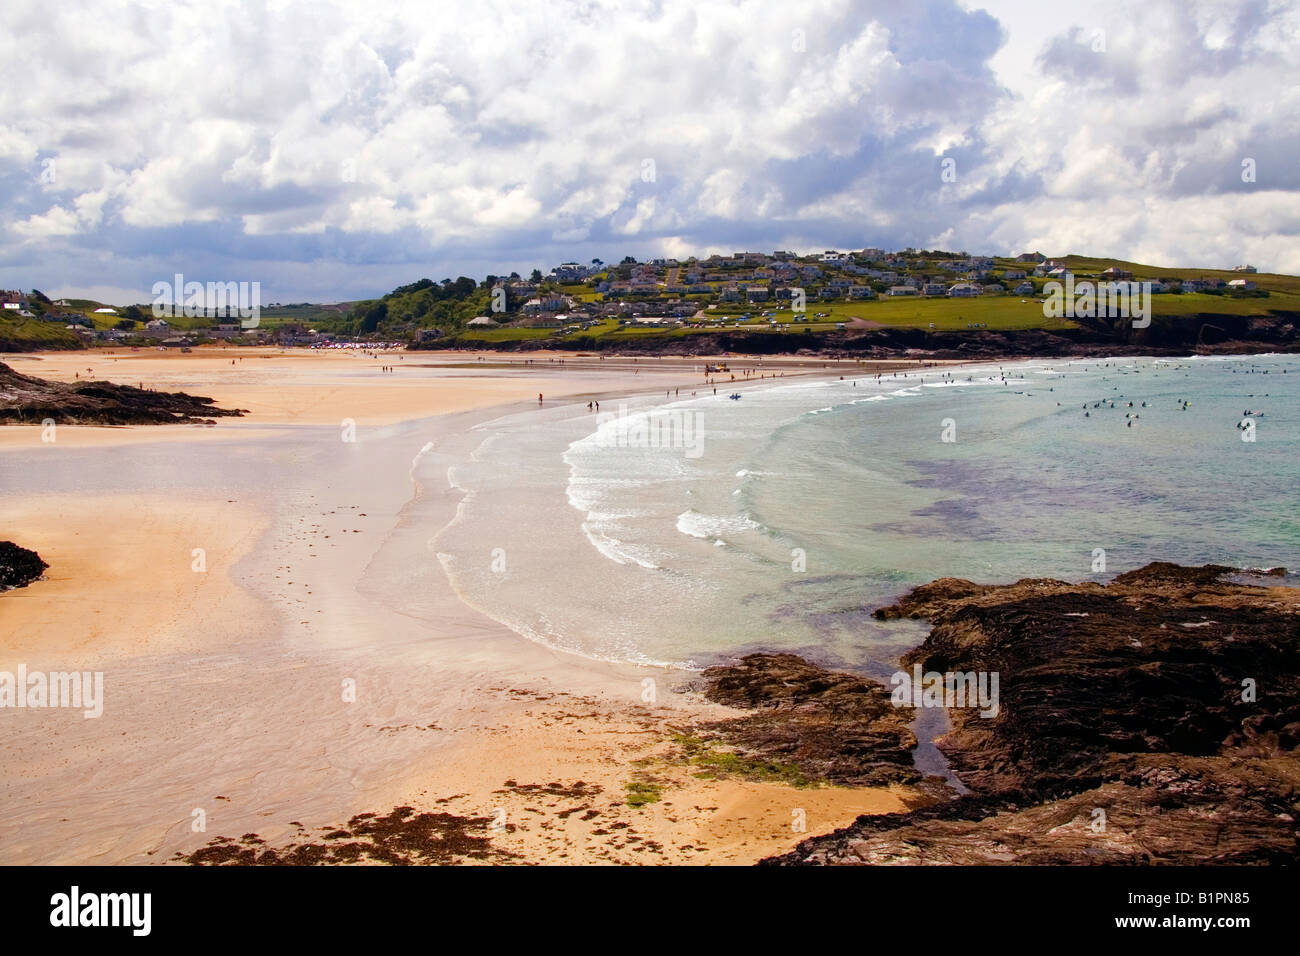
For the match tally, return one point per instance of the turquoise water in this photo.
(805, 506)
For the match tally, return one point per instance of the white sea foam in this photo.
(613, 548)
(699, 525)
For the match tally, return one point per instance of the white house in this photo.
(964, 290)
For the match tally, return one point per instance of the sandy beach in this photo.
(259, 685)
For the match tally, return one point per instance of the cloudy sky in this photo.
(333, 150)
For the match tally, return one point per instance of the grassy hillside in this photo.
(27, 335)
(1273, 282)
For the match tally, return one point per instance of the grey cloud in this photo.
(221, 134)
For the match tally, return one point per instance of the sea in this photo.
(685, 530)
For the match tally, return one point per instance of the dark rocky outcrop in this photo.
(829, 726)
(28, 400)
(1152, 720)
(1182, 812)
(19, 567)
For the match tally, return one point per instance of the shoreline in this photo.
(453, 713)
(245, 738)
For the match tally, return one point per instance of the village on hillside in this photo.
(780, 290)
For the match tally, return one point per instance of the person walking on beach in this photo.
(539, 398)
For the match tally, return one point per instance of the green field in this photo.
(1192, 303)
(997, 312)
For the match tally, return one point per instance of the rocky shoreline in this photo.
(1155, 719)
(26, 400)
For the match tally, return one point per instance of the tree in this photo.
(372, 315)
(413, 287)
(461, 289)
(536, 276)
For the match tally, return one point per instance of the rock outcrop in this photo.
(1152, 720)
(830, 726)
(28, 400)
(19, 567)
